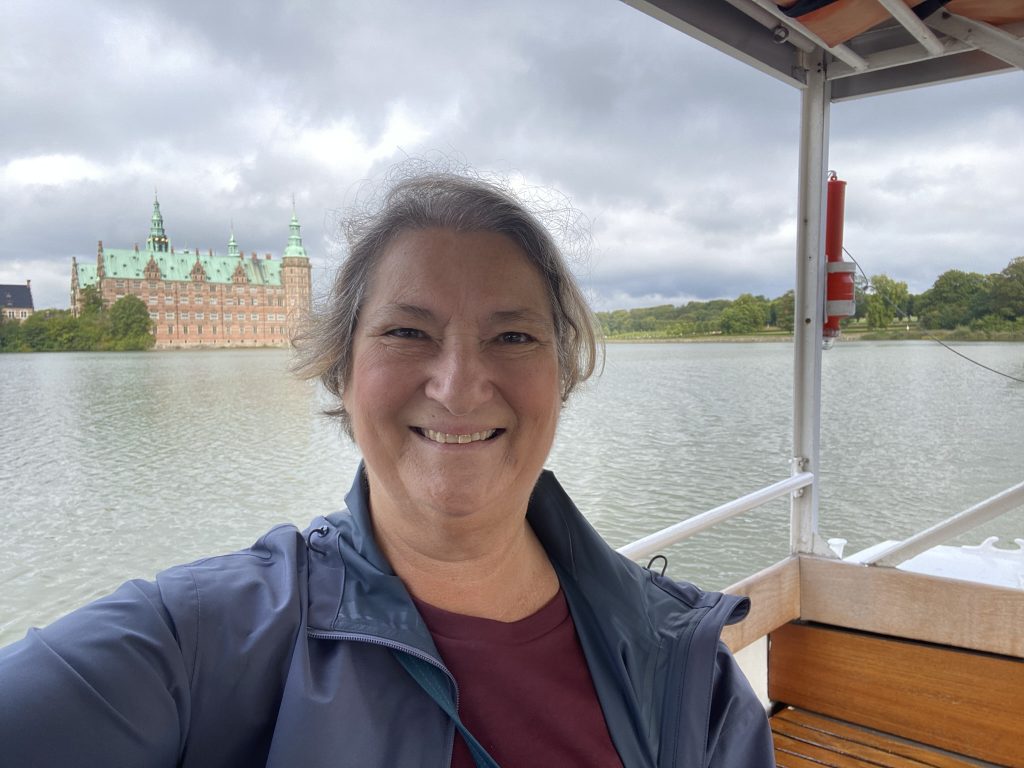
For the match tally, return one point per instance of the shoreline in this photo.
(845, 338)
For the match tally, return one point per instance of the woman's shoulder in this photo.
(250, 584)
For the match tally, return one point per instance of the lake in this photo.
(117, 465)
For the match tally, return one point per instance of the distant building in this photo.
(16, 301)
(207, 300)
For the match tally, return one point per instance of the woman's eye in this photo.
(515, 337)
(406, 333)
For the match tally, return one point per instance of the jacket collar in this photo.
(353, 588)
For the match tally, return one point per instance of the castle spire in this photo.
(232, 243)
(157, 240)
(294, 247)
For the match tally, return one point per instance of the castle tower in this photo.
(157, 241)
(296, 277)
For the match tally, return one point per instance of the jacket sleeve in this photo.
(104, 685)
(739, 733)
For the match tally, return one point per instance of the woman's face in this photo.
(455, 392)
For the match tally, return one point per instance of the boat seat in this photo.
(806, 740)
(851, 698)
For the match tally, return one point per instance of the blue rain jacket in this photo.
(284, 655)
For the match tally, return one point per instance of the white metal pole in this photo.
(810, 277)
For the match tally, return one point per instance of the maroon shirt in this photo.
(524, 688)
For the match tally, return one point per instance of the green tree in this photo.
(10, 335)
(130, 324)
(888, 299)
(1006, 296)
(92, 301)
(956, 298)
(747, 314)
(36, 331)
(783, 310)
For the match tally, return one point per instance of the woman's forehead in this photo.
(423, 268)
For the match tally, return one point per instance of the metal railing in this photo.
(656, 542)
(959, 523)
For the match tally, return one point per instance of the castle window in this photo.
(169, 316)
(154, 315)
(119, 283)
(152, 284)
(152, 299)
(255, 301)
(200, 330)
(254, 316)
(227, 316)
(168, 299)
(213, 299)
(170, 330)
(198, 300)
(199, 315)
(184, 316)
(229, 302)
(213, 315)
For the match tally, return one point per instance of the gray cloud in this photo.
(683, 159)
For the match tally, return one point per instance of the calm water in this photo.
(117, 465)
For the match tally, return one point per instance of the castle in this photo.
(204, 300)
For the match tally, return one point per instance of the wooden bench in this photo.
(851, 698)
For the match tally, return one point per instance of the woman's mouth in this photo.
(460, 439)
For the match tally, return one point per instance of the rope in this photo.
(937, 340)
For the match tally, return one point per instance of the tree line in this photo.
(125, 325)
(957, 300)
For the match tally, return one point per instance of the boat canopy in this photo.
(871, 46)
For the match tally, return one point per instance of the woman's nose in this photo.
(460, 378)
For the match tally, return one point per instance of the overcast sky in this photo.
(682, 160)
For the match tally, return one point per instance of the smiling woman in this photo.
(460, 611)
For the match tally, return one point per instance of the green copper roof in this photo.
(294, 247)
(157, 240)
(128, 264)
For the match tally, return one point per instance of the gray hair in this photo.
(463, 204)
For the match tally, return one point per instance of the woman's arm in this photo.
(104, 685)
(738, 733)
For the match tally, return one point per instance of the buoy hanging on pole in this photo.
(840, 300)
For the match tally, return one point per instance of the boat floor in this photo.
(807, 740)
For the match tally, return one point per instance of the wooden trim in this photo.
(774, 600)
(888, 601)
(969, 703)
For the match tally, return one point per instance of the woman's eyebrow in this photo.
(404, 310)
(520, 316)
